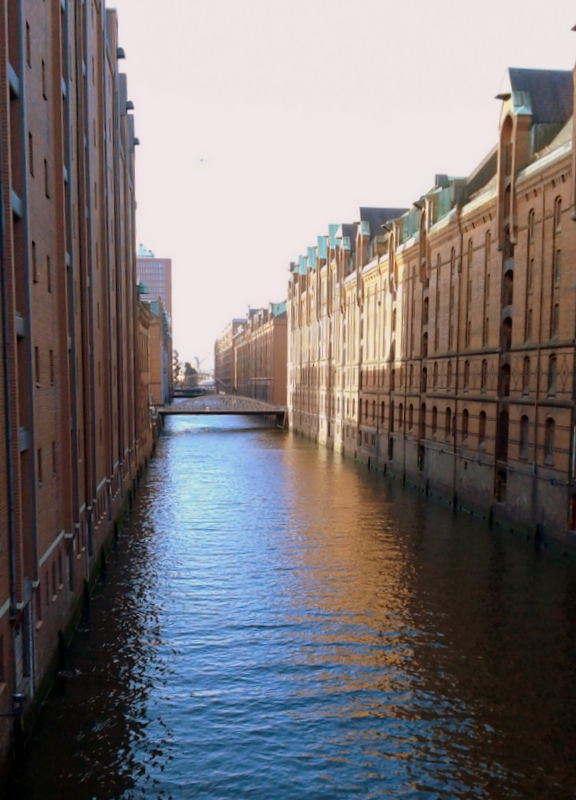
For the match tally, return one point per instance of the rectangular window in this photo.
(555, 319)
(39, 466)
(44, 90)
(46, 179)
(28, 46)
(31, 153)
(34, 263)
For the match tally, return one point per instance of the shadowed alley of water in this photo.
(277, 622)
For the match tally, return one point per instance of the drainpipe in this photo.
(457, 370)
(91, 418)
(535, 515)
(71, 311)
(27, 309)
(106, 266)
(7, 399)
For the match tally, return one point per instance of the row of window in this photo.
(450, 428)
(376, 377)
(53, 582)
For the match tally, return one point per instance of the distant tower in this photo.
(156, 275)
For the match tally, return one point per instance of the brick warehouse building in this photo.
(437, 343)
(259, 355)
(72, 435)
(224, 360)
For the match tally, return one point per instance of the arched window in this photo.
(425, 345)
(502, 438)
(447, 421)
(392, 380)
(425, 311)
(531, 225)
(382, 408)
(466, 374)
(422, 422)
(528, 331)
(552, 374)
(482, 430)
(410, 416)
(434, 420)
(508, 288)
(424, 381)
(465, 423)
(526, 375)
(435, 375)
(391, 417)
(523, 445)
(484, 375)
(558, 213)
(400, 417)
(373, 410)
(485, 329)
(557, 266)
(549, 441)
(505, 380)
(555, 321)
(449, 375)
(506, 335)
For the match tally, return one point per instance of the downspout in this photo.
(405, 340)
(535, 516)
(457, 370)
(7, 401)
(89, 221)
(27, 309)
(71, 308)
(106, 265)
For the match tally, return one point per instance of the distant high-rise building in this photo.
(156, 275)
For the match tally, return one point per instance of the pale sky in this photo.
(262, 121)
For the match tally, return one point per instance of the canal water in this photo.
(276, 622)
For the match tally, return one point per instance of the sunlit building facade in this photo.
(260, 355)
(224, 356)
(436, 343)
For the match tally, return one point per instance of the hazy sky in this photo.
(261, 121)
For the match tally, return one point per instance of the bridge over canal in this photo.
(215, 404)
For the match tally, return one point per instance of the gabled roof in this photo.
(376, 217)
(545, 93)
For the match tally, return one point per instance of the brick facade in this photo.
(437, 342)
(259, 348)
(72, 437)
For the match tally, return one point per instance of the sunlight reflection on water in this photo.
(277, 622)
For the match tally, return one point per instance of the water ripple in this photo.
(278, 623)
